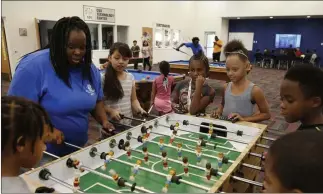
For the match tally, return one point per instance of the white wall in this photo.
(135, 14)
(193, 18)
(224, 35)
(272, 8)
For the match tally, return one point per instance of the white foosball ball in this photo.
(171, 154)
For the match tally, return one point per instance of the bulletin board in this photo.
(166, 37)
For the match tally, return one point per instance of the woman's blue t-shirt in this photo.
(68, 108)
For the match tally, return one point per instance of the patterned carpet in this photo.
(267, 79)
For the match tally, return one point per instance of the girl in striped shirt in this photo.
(119, 86)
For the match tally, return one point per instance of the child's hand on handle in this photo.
(216, 114)
(200, 81)
(115, 115)
(236, 117)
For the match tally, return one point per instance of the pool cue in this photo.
(182, 52)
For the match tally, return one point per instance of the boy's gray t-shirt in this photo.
(14, 185)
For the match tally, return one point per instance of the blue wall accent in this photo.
(265, 30)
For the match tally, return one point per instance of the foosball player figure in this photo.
(209, 171)
(198, 152)
(185, 165)
(209, 135)
(164, 159)
(76, 182)
(144, 141)
(145, 152)
(179, 151)
(150, 128)
(120, 181)
(143, 131)
(135, 170)
(161, 144)
(220, 160)
(127, 148)
(172, 137)
(201, 141)
(77, 164)
(107, 160)
(169, 177)
(176, 128)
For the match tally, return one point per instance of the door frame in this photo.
(206, 33)
(4, 47)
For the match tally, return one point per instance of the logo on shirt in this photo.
(90, 90)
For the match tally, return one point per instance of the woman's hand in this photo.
(115, 115)
(107, 126)
(56, 137)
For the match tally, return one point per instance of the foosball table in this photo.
(170, 154)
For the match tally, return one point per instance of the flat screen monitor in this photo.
(285, 40)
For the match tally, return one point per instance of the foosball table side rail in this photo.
(59, 169)
(226, 183)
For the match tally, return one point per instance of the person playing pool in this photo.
(119, 86)
(194, 45)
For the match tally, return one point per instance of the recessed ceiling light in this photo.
(271, 17)
(238, 18)
(308, 16)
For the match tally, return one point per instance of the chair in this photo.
(258, 58)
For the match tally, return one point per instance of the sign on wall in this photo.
(98, 14)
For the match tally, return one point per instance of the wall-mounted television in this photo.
(285, 40)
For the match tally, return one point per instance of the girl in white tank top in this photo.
(240, 95)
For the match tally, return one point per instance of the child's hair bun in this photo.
(235, 46)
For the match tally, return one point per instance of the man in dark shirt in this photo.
(135, 52)
(301, 95)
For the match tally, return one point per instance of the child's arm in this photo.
(200, 102)
(134, 100)
(258, 96)
(113, 113)
(175, 99)
(218, 112)
(153, 93)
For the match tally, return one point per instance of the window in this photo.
(94, 35)
(107, 36)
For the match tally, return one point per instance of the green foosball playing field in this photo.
(92, 183)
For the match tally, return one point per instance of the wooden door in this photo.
(5, 64)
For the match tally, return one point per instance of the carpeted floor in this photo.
(267, 79)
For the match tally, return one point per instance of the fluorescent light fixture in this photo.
(271, 17)
(238, 18)
(308, 16)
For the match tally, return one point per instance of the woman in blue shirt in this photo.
(64, 81)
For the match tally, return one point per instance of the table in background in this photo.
(144, 84)
(131, 60)
(217, 70)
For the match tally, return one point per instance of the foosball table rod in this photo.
(230, 139)
(110, 178)
(203, 169)
(186, 122)
(214, 157)
(94, 151)
(45, 174)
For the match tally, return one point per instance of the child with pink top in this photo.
(161, 91)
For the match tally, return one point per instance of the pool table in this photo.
(217, 70)
(144, 84)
